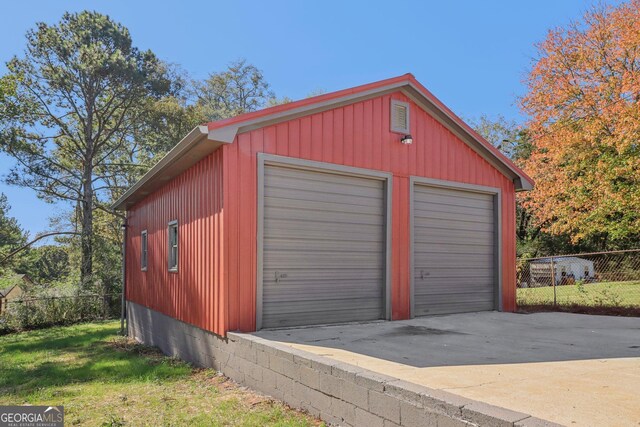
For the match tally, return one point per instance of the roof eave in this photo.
(523, 184)
(194, 146)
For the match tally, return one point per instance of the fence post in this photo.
(553, 281)
(27, 314)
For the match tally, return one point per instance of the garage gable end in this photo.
(205, 139)
(409, 89)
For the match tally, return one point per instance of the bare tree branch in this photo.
(39, 237)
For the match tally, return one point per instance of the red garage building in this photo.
(375, 202)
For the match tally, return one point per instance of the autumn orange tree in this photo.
(583, 100)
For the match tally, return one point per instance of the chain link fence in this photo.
(33, 312)
(597, 282)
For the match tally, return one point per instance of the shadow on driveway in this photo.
(477, 338)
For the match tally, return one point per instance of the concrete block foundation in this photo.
(338, 393)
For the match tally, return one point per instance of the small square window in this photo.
(173, 246)
(400, 117)
(143, 250)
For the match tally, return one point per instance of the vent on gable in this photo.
(399, 116)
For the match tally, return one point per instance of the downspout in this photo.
(123, 304)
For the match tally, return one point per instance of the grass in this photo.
(105, 380)
(603, 294)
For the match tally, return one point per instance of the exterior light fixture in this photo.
(407, 140)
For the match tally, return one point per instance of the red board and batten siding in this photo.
(354, 135)
(218, 248)
(194, 199)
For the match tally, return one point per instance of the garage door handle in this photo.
(423, 274)
(280, 276)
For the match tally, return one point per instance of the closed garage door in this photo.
(324, 248)
(454, 251)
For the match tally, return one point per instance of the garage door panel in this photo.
(335, 245)
(341, 218)
(319, 206)
(453, 307)
(319, 290)
(277, 194)
(317, 306)
(423, 221)
(452, 200)
(427, 239)
(457, 272)
(451, 218)
(305, 257)
(322, 263)
(349, 274)
(278, 228)
(455, 284)
(295, 189)
(453, 248)
(452, 194)
(306, 317)
(337, 180)
(324, 239)
(443, 259)
(352, 300)
(457, 287)
(322, 224)
(312, 258)
(460, 209)
(437, 284)
(425, 232)
(477, 296)
(309, 258)
(454, 237)
(454, 251)
(430, 265)
(286, 234)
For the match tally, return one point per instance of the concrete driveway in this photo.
(571, 369)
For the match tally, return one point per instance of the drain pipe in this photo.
(123, 303)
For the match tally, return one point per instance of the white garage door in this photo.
(454, 245)
(323, 248)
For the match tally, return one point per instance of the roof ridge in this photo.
(307, 101)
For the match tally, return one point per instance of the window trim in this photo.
(144, 250)
(173, 223)
(394, 103)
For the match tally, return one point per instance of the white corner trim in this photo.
(224, 134)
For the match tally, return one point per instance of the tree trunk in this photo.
(86, 239)
(86, 268)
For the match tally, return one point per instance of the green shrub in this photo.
(34, 312)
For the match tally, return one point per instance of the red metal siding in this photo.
(354, 135)
(193, 294)
(215, 287)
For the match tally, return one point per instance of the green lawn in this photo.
(104, 380)
(604, 294)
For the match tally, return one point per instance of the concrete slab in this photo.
(571, 369)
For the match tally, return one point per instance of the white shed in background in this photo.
(569, 267)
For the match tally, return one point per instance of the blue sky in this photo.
(473, 55)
